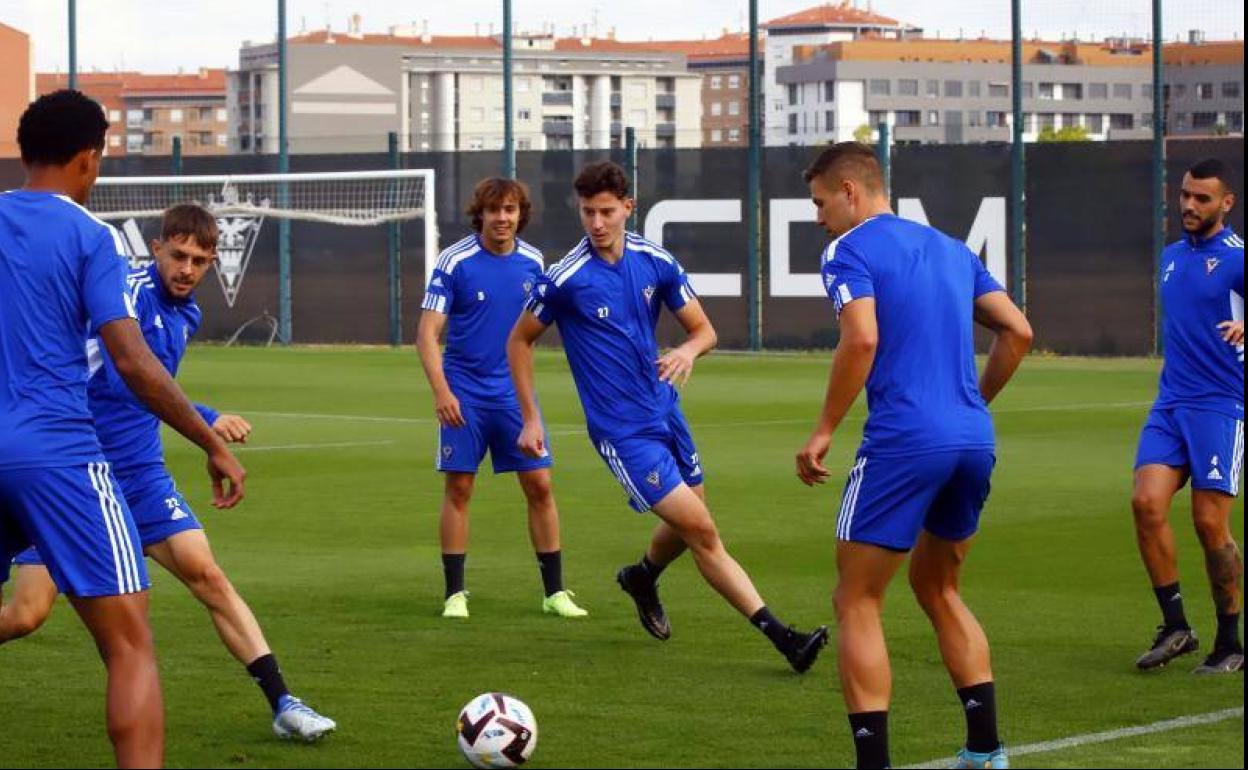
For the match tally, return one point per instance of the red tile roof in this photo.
(829, 13)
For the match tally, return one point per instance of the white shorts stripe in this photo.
(617, 467)
(108, 525)
(1237, 464)
(128, 558)
(851, 499)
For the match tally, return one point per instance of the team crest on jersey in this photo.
(238, 238)
(652, 478)
(649, 293)
(527, 286)
(1211, 264)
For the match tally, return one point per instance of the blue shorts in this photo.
(888, 500)
(159, 510)
(78, 518)
(649, 466)
(461, 450)
(1209, 445)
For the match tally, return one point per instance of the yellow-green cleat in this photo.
(456, 605)
(560, 603)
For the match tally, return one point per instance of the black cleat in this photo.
(802, 649)
(1222, 661)
(1169, 644)
(645, 595)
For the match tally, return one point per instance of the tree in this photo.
(1067, 134)
(864, 134)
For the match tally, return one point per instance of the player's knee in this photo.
(459, 490)
(933, 597)
(1212, 528)
(538, 490)
(702, 536)
(16, 622)
(1149, 508)
(210, 583)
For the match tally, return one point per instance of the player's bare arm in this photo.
(428, 332)
(676, 365)
(997, 312)
(524, 336)
(151, 383)
(855, 354)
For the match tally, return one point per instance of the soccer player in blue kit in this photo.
(478, 288)
(62, 279)
(163, 298)
(907, 296)
(606, 295)
(1195, 430)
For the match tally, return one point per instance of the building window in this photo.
(1094, 123)
(717, 135)
(793, 93)
(933, 88)
(1070, 119)
(792, 122)
(1146, 91)
(717, 82)
(114, 140)
(997, 119)
(933, 118)
(829, 120)
(717, 108)
(734, 108)
(973, 87)
(1231, 90)
(134, 119)
(1122, 90)
(521, 144)
(1047, 120)
(524, 113)
(907, 118)
(1204, 91)
(1180, 120)
(973, 118)
(734, 134)
(1180, 90)
(1028, 89)
(114, 116)
(829, 90)
(876, 117)
(734, 81)
(1072, 91)
(1122, 121)
(223, 140)
(1098, 90)
(953, 88)
(134, 143)
(1204, 121)
(998, 91)
(1146, 119)
(879, 87)
(1235, 122)
(1046, 90)
(908, 87)
(476, 143)
(1029, 123)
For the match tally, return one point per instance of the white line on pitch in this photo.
(1075, 741)
(335, 445)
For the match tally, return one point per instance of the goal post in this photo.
(346, 198)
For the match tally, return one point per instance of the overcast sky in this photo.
(163, 35)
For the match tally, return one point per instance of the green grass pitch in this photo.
(336, 550)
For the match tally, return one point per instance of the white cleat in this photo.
(296, 720)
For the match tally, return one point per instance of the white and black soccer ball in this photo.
(496, 730)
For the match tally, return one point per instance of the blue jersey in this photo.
(922, 393)
(62, 277)
(482, 294)
(1202, 285)
(128, 431)
(607, 314)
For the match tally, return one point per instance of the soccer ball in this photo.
(496, 730)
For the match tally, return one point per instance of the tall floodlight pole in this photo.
(1018, 168)
(1159, 174)
(753, 289)
(283, 189)
(509, 126)
(73, 43)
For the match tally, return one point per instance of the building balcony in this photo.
(665, 101)
(616, 99)
(557, 98)
(557, 127)
(665, 130)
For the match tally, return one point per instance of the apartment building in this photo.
(445, 93)
(17, 86)
(1204, 86)
(146, 111)
(724, 65)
